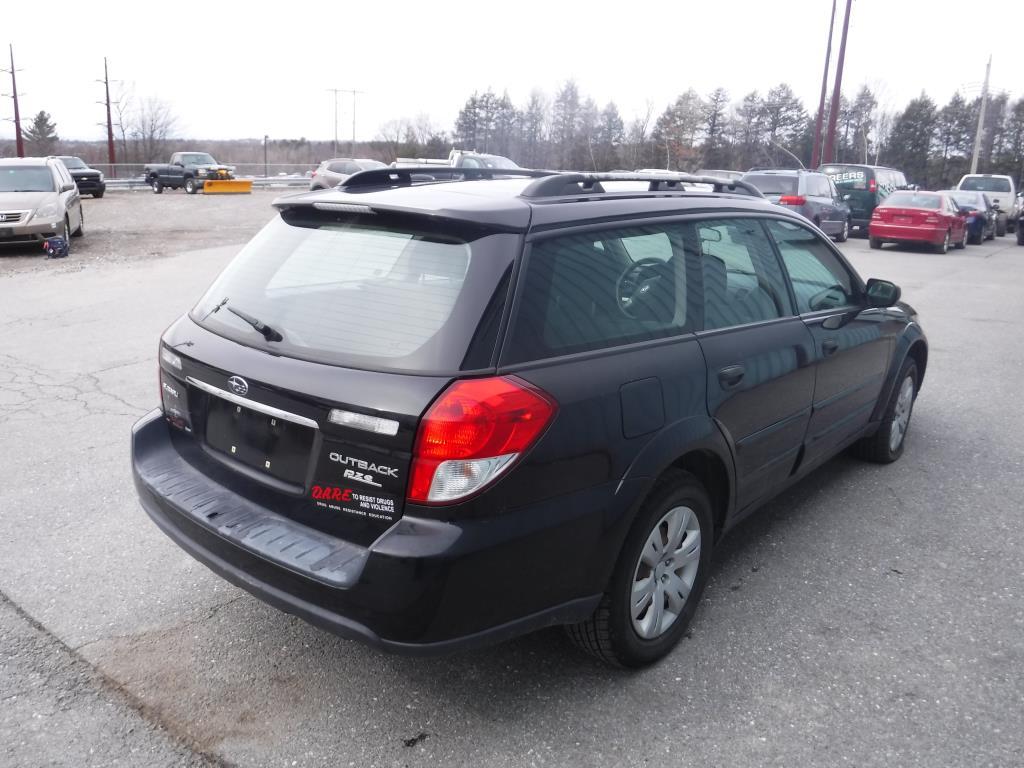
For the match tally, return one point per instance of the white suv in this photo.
(1001, 191)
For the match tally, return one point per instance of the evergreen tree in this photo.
(608, 138)
(41, 135)
(714, 114)
(565, 116)
(911, 139)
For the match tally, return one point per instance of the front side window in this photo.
(819, 279)
(742, 282)
(601, 289)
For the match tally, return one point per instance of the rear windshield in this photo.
(985, 184)
(365, 292)
(913, 200)
(975, 199)
(31, 178)
(849, 176)
(773, 185)
(72, 162)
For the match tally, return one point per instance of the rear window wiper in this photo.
(269, 333)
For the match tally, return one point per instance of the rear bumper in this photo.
(424, 587)
(906, 234)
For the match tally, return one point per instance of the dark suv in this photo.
(433, 416)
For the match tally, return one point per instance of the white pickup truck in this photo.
(459, 158)
(1000, 190)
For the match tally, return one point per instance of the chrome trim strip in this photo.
(247, 403)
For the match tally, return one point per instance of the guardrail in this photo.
(139, 182)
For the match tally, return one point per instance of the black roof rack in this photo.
(563, 184)
(422, 174)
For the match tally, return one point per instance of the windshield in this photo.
(986, 184)
(361, 291)
(773, 185)
(369, 165)
(850, 176)
(487, 161)
(197, 158)
(913, 200)
(30, 178)
(72, 162)
(719, 174)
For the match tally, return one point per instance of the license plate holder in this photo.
(6, 232)
(902, 220)
(268, 444)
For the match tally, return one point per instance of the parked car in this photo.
(88, 180)
(863, 187)
(458, 158)
(330, 172)
(38, 200)
(719, 174)
(981, 214)
(809, 193)
(930, 218)
(188, 171)
(1001, 191)
(431, 417)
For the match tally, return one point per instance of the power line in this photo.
(336, 91)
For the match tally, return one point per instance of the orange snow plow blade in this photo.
(227, 187)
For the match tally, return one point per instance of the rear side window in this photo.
(818, 186)
(601, 289)
(742, 281)
(849, 177)
(365, 292)
(819, 279)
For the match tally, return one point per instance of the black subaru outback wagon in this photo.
(432, 414)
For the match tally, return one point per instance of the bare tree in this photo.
(394, 134)
(120, 107)
(150, 127)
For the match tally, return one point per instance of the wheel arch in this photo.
(712, 472)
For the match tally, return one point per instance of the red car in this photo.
(932, 218)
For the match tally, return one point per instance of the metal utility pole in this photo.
(336, 91)
(19, 142)
(981, 118)
(266, 139)
(816, 152)
(111, 155)
(833, 115)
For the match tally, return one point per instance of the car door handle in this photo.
(732, 375)
(829, 347)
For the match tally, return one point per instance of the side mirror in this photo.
(67, 187)
(178, 163)
(882, 293)
(846, 197)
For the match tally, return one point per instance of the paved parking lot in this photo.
(872, 616)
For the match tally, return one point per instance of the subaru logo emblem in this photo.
(238, 385)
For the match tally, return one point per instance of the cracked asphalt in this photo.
(871, 616)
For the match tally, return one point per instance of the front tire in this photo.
(1000, 227)
(844, 235)
(81, 227)
(158, 187)
(658, 579)
(886, 445)
(874, 243)
(97, 195)
(962, 243)
(1020, 234)
(191, 187)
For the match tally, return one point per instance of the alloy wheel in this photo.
(665, 572)
(901, 414)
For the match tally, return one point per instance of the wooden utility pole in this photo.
(833, 115)
(111, 155)
(18, 140)
(816, 152)
(981, 119)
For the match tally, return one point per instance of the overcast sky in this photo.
(234, 70)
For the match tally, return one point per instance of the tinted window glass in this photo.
(741, 277)
(820, 281)
(32, 178)
(772, 185)
(985, 184)
(362, 291)
(601, 289)
(72, 162)
(849, 176)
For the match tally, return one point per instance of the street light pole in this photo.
(981, 119)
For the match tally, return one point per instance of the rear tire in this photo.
(158, 187)
(1020, 235)
(874, 243)
(884, 447)
(81, 227)
(978, 238)
(674, 530)
(844, 235)
(1000, 227)
(943, 247)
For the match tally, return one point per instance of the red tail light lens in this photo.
(792, 200)
(472, 434)
(872, 186)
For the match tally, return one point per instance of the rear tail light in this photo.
(472, 434)
(872, 186)
(876, 214)
(314, 174)
(792, 200)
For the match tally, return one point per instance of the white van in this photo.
(1001, 191)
